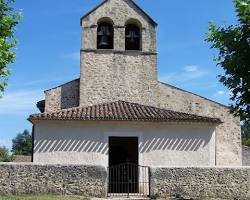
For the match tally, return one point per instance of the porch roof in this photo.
(122, 111)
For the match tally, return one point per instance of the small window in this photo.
(105, 36)
(133, 37)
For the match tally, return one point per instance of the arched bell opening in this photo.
(105, 35)
(132, 37)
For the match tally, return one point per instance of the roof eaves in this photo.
(176, 116)
(128, 120)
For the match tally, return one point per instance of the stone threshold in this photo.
(122, 198)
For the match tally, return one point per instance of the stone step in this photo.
(129, 198)
(122, 198)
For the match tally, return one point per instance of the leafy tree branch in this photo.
(233, 45)
(9, 18)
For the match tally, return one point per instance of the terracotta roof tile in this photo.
(121, 111)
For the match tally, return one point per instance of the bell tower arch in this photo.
(105, 34)
(118, 54)
(133, 32)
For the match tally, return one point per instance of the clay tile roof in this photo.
(121, 111)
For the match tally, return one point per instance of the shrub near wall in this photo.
(52, 179)
(225, 183)
(246, 155)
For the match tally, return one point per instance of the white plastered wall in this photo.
(160, 144)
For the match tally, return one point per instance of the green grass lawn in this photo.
(42, 197)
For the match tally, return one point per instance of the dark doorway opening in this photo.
(123, 165)
(123, 150)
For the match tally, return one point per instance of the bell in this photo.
(103, 41)
(132, 36)
(104, 34)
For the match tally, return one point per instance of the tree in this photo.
(245, 129)
(9, 18)
(22, 144)
(4, 155)
(233, 44)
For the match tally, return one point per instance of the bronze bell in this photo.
(132, 36)
(104, 33)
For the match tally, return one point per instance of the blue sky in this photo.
(48, 53)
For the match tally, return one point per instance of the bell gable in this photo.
(127, 26)
(130, 3)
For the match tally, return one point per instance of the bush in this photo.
(4, 155)
(22, 144)
(246, 141)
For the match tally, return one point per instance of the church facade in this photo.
(118, 111)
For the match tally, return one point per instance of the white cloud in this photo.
(198, 80)
(189, 73)
(21, 102)
(191, 68)
(221, 96)
(73, 56)
(221, 93)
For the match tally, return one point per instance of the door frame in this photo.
(139, 135)
(121, 133)
(124, 176)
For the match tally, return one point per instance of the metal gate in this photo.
(128, 179)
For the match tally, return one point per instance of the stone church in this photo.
(118, 112)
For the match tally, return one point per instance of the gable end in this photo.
(105, 1)
(174, 87)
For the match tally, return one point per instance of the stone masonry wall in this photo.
(23, 159)
(110, 75)
(201, 183)
(91, 181)
(62, 97)
(228, 137)
(52, 179)
(117, 76)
